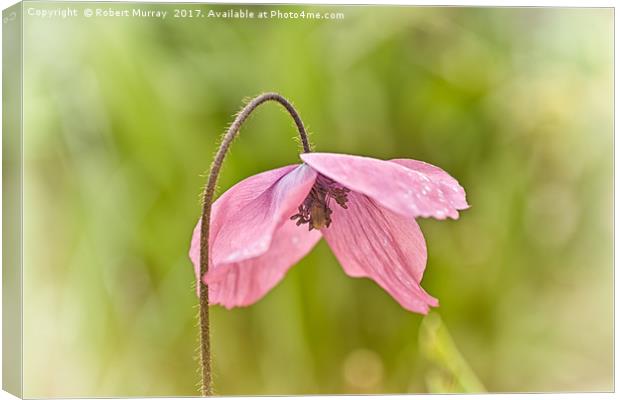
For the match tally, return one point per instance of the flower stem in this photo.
(207, 200)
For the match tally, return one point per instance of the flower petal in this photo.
(447, 185)
(245, 217)
(243, 283)
(406, 191)
(374, 242)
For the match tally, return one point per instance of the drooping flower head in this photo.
(365, 209)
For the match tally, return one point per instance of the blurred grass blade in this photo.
(449, 372)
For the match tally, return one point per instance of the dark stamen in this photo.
(315, 210)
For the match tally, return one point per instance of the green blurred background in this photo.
(122, 117)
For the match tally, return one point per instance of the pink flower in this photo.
(364, 208)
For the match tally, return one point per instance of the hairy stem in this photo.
(207, 200)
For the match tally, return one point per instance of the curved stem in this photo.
(207, 200)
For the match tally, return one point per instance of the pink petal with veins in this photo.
(403, 190)
(245, 218)
(448, 186)
(372, 241)
(244, 283)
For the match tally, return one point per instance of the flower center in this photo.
(315, 210)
